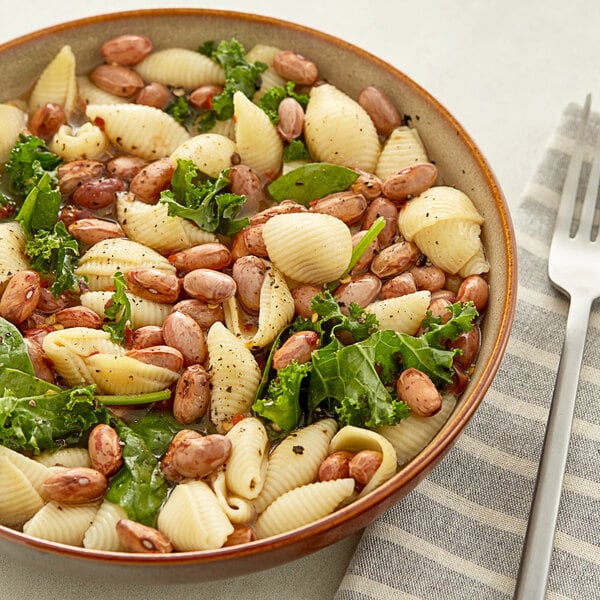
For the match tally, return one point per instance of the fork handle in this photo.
(539, 538)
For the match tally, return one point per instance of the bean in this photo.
(474, 288)
(201, 97)
(166, 464)
(48, 303)
(20, 296)
(346, 206)
(363, 466)
(98, 193)
(295, 67)
(242, 534)
(125, 166)
(90, 231)
(397, 286)
(303, 296)
(104, 448)
(254, 241)
(153, 284)
(78, 316)
(361, 290)
(140, 538)
(117, 80)
(211, 286)
(410, 181)
(367, 256)
(468, 342)
(381, 109)
(297, 348)
(77, 172)
(283, 208)
(183, 333)
(152, 179)
(418, 391)
(46, 120)
(128, 49)
(77, 485)
(382, 207)
(249, 274)
(159, 356)
(335, 466)
(39, 361)
(368, 185)
(439, 307)
(291, 119)
(244, 181)
(201, 456)
(212, 255)
(156, 95)
(428, 277)
(395, 259)
(192, 394)
(203, 313)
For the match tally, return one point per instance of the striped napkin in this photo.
(460, 533)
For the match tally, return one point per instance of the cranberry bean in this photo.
(78, 485)
(117, 80)
(91, 231)
(295, 67)
(203, 313)
(201, 456)
(77, 172)
(156, 95)
(192, 394)
(98, 193)
(182, 437)
(159, 356)
(418, 391)
(410, 181)
(335, 466)
(382, 207)
(212, 255)
(367, 256)
(303, 296)
(201, 97)
(395, 259)
(381, 109)
(78, 316)
(153, 284)
(40, 362)
(346, 206)
(475, 289)
(125, 166)
(249, 275)
(183, 333)
(401, 285)
(242, 534)
(155, 177)
(20, 296)
(147, 336)
(46, 120)
(211, 286)
(468, 342)
(368, 185)
(104, 448)
(361, 290)
(291, 119)
(428, 277)
(297, 348)
(128, 49)
(140, 538)
(363, 466)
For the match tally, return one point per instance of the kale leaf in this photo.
(205, 202)
(118, 311)
(272, 98)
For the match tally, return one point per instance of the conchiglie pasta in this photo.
(12, 252)
(35, 472)
(303, 505)
(446, 226)
(68, 349)
(259, 145)
(476, 265)
(235, 375)
(289, 468)
(88, 142)
(210, 152)
(238, 510)
(115, 374)
(338, 130)
(151, 225)
(12, 121)
(412, 434)
(61, 523)
(19, 500)
(403, 314)
(403, 148)
(180, 67)
(355, 439)
(57, 83)
(269, 78)
(143, 312)
(92, 94)
(65, 457)
(102, 533)
(100, 262)
(276, 311)
(308, 247)
(247, 464)
(193, 519)
(143, 131)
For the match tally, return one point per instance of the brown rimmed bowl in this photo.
(460, 163)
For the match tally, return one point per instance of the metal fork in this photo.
(574, 268)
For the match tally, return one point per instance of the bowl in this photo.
(460, 163)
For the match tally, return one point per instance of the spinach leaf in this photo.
(48, 421)
(311, 182)
(139, 486)
(13, 351)
(20, 384)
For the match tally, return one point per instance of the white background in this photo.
(505, 69)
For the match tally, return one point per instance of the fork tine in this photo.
(568, 199)
(588, 210)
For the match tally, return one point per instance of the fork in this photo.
(573, 268)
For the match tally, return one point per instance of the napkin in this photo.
(460, 533)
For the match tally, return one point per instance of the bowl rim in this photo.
(420, 466)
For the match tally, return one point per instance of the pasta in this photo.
(102, 533)
(403, 148)
(12, 251)
(403, 313)
(12, 121)
(19, 500)
(88, 142)
(210, 152)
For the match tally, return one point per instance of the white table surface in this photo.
(505, 69)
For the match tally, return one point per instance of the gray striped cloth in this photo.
(459, 534)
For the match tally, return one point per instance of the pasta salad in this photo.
(233, 298)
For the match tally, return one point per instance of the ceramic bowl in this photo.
(460, 164)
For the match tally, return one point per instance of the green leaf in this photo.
(48, 421)
(56, 253)
(40, 208)
(28, 159)
(13, 351)
(272, 98)
(179, 109)
(139, 487)
(118, 311)
(295, 151)
(206, 203)
(281, 404)
(20, 384)
(311, 182)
